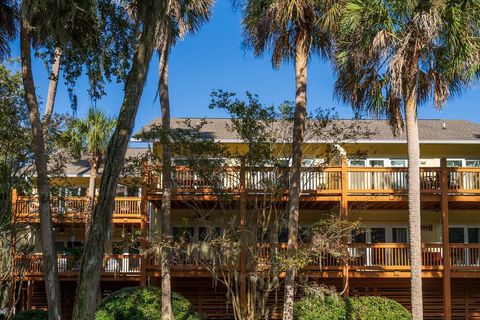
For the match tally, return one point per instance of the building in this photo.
(370, 189)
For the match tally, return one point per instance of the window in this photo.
(133, 191)
(376, 163)
(283, 163)
(473, 235)
(134, 248)
(205, 233)
(183, 233)
(263, 235)
(308, 162)
(460, 234)
(283, 235)
(118, 247)
(378, 235)
(454, 163)
(399, 235)
(456, 235)
(398, 163)
(472, 163)
(357, 163)
(305, 234)
(59, 247)
(359, 235)
(180, 162)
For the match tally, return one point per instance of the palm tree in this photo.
(90, 137)
(50, 25)
(292, 30)
(7, 26)
(181, 18)
(148, 15)
(392, 56)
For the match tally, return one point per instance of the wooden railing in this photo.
(360, 180)
(67, 264)
(362, 256)
(27, 207)
(464, 180)
(465, 256)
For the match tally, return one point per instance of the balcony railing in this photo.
(359, 180)
(362, 256)
(465, 256)
(112, 264)
(75, 207)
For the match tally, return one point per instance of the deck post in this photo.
(447, 303)
(243, 251)
(29, 294)
(144, 234)
(344, 216)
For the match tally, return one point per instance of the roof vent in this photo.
(444, 126)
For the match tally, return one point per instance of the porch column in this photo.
(243, 251)
(29, 294)
(447, 303)
(344, 216)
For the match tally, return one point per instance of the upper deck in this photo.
(362, 187)
(74, 209)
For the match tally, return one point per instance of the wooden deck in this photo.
(121, 267)
(74, 209)
(364, 187)
(379, 259)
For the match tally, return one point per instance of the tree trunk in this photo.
(52, 88)
(414, 217)
(91, 264)
(52, 285)
(301, 59)
(167, 188)
(91, 197)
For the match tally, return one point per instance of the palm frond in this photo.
(385, 47)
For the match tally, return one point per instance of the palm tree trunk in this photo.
(167, 188)
(91, 264)
(301, 60)
(91, 197)
(52, 284)
(414, 217)
(52, 88)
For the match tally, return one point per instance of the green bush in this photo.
(376, 308)
(143, 304)
(31, 315)
(329, 308)
(333, 307)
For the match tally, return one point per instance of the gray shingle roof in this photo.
(430, 131)
(82, 167)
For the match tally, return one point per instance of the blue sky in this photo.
(214, 59)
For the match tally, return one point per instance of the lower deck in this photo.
(210, 298)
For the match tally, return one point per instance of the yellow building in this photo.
(370, 189)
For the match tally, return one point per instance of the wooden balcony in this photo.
(74, 209)
(126, 266)
(362, 185)
(366, 260)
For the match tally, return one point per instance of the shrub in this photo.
(376, 308)
(333, 307)
(329, 308)
(143, 304)
(31, 315)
